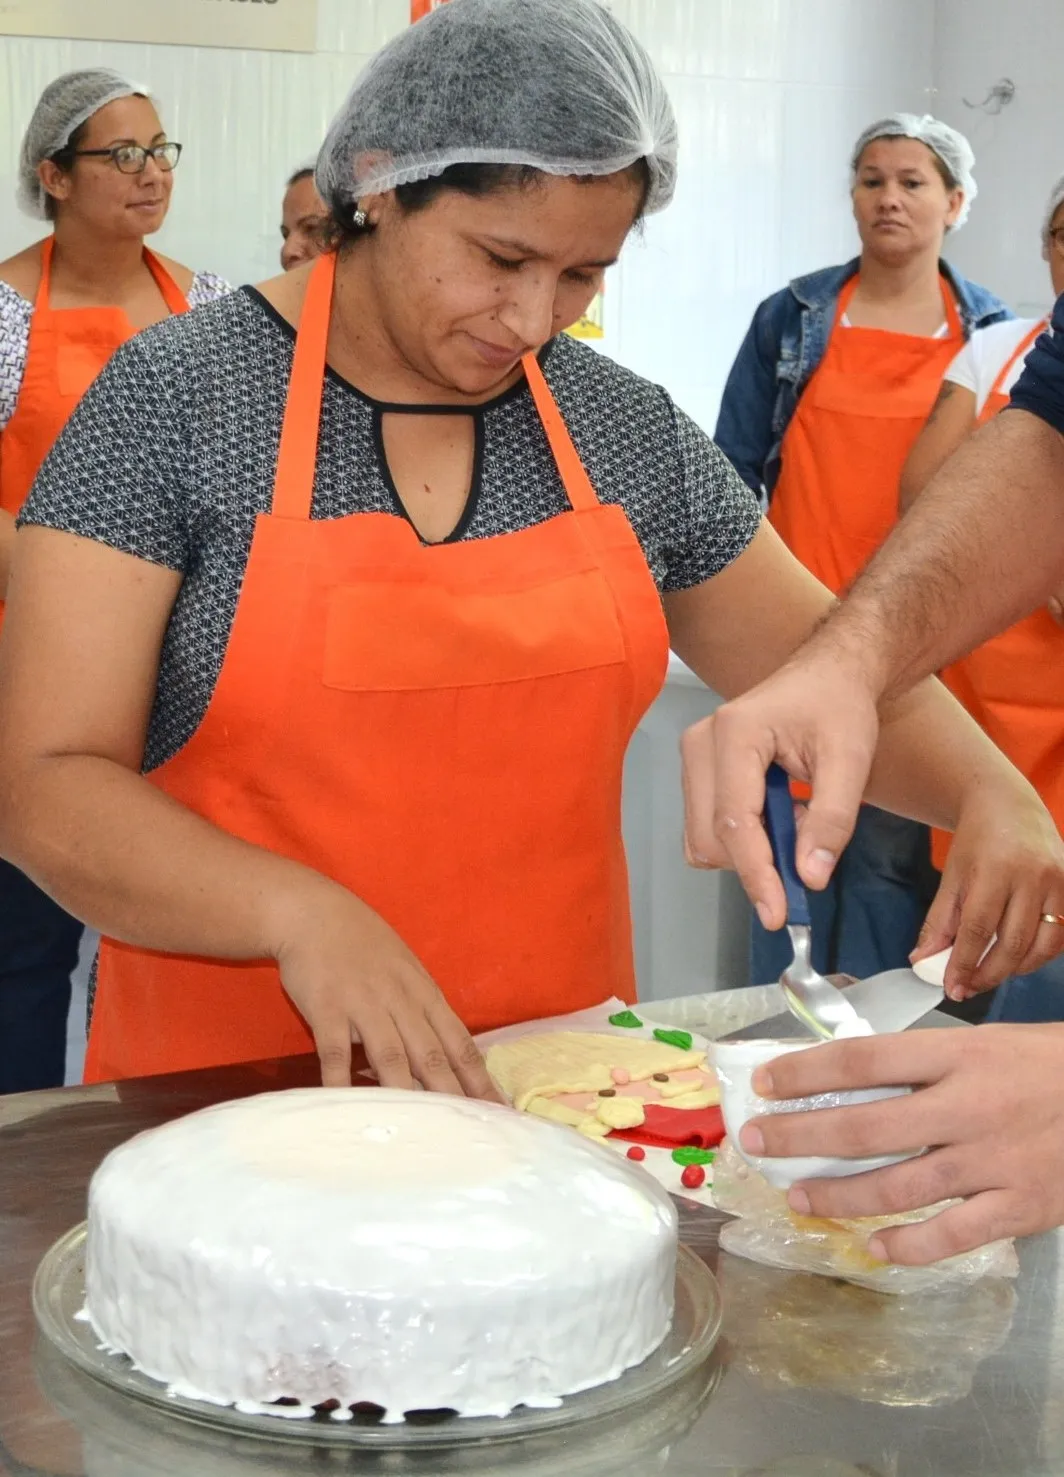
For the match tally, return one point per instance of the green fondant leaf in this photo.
(691, 1155)
(682, 1039)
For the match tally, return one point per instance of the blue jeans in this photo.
(869, 916)
(38, 953)
(1038, 996)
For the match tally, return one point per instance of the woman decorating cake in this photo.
(351, 590)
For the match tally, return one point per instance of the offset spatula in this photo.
(898, 998)
(891, 1001)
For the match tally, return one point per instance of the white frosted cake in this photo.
(404, 1249)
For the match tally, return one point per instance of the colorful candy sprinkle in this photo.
(689, 1154)
(693, 1177)
(635, 1152)
(626, 1019)
(682, 1039)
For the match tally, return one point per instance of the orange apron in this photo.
(1013, 685)
(440, 728)
(843, 452)
(67, 348)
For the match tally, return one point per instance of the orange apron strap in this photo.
(1019, 352)
(173, 297)
(846, 292)
(575, 479)
(44, 287)
(297, 455)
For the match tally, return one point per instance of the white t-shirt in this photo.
(985, 355)
(940, 332)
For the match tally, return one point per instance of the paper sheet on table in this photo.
(658, 1162)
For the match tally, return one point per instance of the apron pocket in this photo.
(77, 365)
(392, 637)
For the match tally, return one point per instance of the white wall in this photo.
(246, 119)
(769, 93)
(1020, 152)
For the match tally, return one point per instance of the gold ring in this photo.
(1052, 918)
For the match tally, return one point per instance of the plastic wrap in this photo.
(735, 1063)
(792, 1331)
(766, 1230)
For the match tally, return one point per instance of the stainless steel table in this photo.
(811, 1379)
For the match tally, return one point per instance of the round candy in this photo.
(635, 1152)
(693, 1177)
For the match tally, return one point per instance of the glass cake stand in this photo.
(59, 1295)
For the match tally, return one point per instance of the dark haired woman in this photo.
(347, 653)
(303, 218)
(829, 390)
(96, 163)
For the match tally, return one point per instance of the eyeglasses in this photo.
(1057, 238)
(133, 158)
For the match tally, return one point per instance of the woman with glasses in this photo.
(96, 164)
(352, 589)
(829, 390)
(1013, 685)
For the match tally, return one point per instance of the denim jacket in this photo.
(782, 348)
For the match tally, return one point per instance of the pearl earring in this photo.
(360, 219)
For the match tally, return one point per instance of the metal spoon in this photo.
(814, 1000)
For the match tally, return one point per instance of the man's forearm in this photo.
(983, 546)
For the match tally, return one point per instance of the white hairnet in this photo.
(62, 107)
(951, 147)
(1056, 199)
(556, 84)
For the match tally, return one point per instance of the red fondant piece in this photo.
(672, 1128)
(635, 1152)
(693, 1177)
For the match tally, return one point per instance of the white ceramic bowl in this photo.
(735, 1062)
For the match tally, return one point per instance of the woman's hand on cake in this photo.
(353, 979)
(989, 1103)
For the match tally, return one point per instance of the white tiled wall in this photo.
(769, 93)
(246, 119)
(1020, 152)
